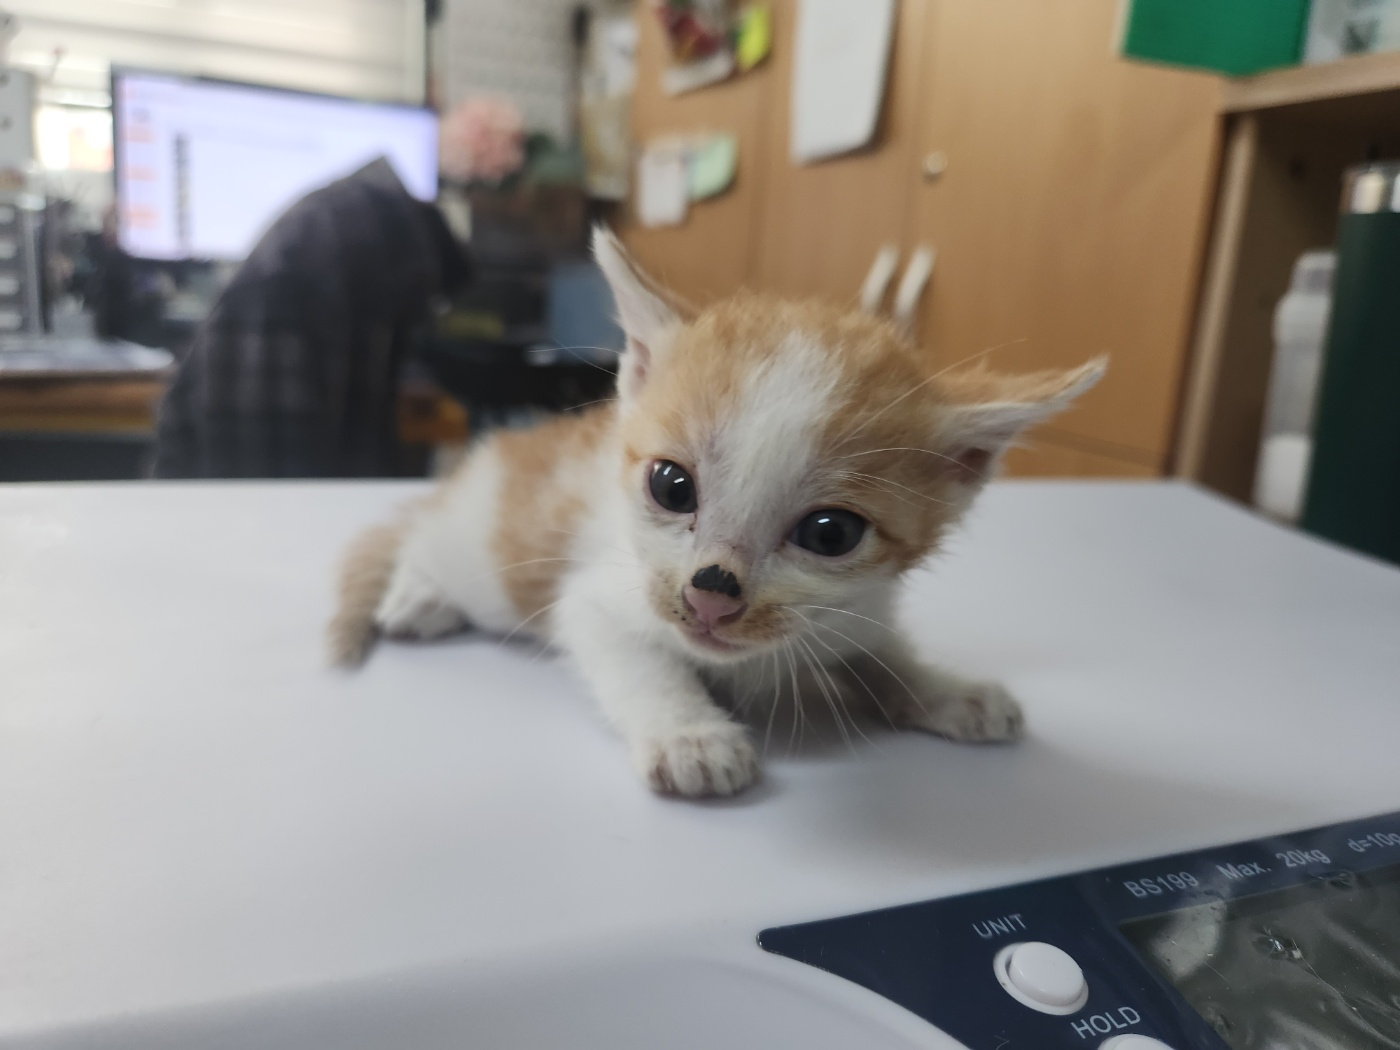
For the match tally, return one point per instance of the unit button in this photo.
(1133, 1042)
(1043, 977)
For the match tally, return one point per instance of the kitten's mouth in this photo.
(706, 639)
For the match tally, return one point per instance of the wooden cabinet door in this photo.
(1070, 219)
(823, 223)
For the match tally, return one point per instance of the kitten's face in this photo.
(788, 455)
(783, 459)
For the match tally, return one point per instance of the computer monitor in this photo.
(203, 167)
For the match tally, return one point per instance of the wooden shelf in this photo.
(1349, 77)
(1290, 138)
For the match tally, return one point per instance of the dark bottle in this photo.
(1354, 488)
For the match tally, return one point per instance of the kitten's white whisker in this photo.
(887, 481)
(585, 346)
(590, 404)
(808, 657)
(742, 704)
(538, 612)
(853, 673)
(866, 423)
(773, 709)
(546, 649)
(888, 670)
(837, 691)
(902, 448)
(522, 564)
(915, 389)
(796, 697)
(592, 364)
(867, 479)
(843, 612)
(898, 448)
(980, 353)
(821, 669)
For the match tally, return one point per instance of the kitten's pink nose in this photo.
(712, 608)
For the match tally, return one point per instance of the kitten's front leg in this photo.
(682, 743)
(915, 695)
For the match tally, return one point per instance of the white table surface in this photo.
(199, 821)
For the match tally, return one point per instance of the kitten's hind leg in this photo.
(414, 607)
(385, 589)
(964, 709)
(365, 573)
(914, 695)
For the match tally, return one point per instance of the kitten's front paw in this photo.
(973, 712)
(704, 760)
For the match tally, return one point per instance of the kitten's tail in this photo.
(364, 577)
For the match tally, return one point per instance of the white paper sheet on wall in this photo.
(663, 185)
(838, 78)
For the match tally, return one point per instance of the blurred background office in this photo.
(340, 237)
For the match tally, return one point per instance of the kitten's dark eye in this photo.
(672, 488)
(829, 532)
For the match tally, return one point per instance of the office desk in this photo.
(102, 427)
(66, 384)
(79, 404)
(76, 407)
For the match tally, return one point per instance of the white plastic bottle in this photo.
(1300, 329)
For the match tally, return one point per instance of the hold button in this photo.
(1043, 977)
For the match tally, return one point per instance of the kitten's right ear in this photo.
(988, 411)
(647, 313)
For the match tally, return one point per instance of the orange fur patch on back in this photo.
(540, 504)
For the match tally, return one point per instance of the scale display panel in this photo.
(1286, 943)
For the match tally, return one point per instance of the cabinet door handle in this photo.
(911, 286)
(872, 292)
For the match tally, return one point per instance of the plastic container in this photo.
(1338, 28)
(1300, 330)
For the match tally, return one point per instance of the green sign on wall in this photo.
(1237, 37)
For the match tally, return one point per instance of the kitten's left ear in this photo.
(988, 412)
(648, 314)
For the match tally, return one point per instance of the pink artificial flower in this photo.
(482, 138)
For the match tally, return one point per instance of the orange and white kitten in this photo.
(734, 525)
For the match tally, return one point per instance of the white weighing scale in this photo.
(209, 840)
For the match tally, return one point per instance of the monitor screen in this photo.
(1316, 967)
(204, 167)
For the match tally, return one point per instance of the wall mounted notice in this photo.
(713, 159)
(663, 184)
(1238, 37)
(838, 77)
